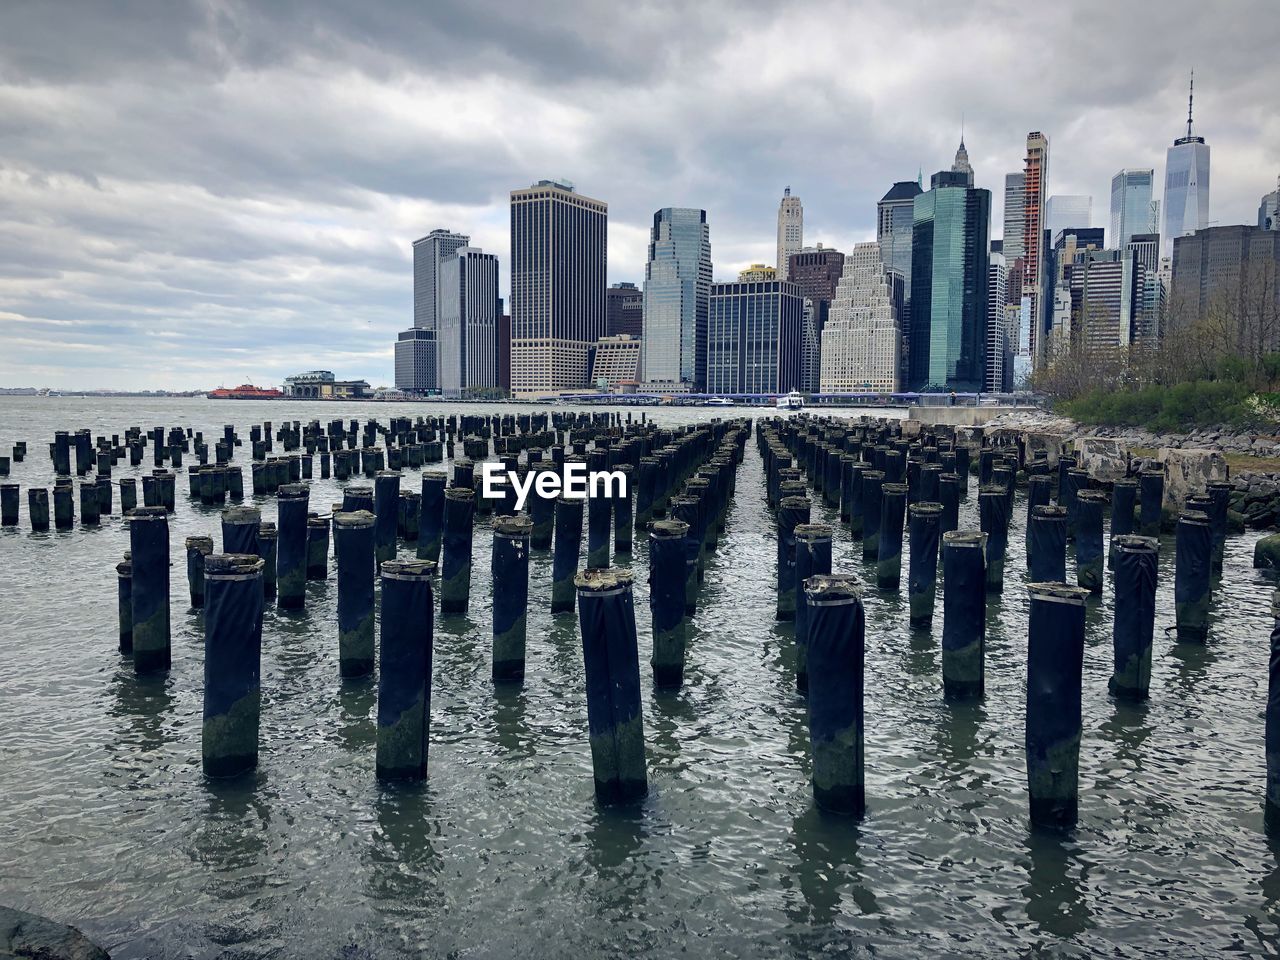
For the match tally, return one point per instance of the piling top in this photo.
(794, 503)
(353, 519)
(894, 488)
(233, 566)
(872, 475)
(964, 538)
(1049, 511)
(926, 508)
(1126, 482)
(1153, 472)
(266, 530)
(832, 590)
(1093, 496)
(516, 526)
(604, 582)
(668, 530)
(316, 522)
(463, 462)
(125, 569)
(949, 478)
(993, 490)
(811, 532)
(358, 491)
(147, 513)
(416, 570)
(435, 476)
(203, 544)
(386, 474)
(1132, 543)
(459, 493)
(1194, 516)
(293, 491)
(1058, 593)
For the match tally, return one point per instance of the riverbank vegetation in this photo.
(1216, 368)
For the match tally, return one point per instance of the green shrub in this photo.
(1183, 406)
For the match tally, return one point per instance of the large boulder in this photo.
(1052, 444)
(1266, 552)
(1188, 471)
(27, 935)
(1106, 460)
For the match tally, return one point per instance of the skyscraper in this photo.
(790, 230)
(996, 336)
(1186, 183)
(624, 310)
(754, 337)
(949, 265)
(1132, 208)
(1036, 179)
(816, 271)
(961, 163)
(428, 253)
(676, 287)
(1106, 289)
(1269, 209)
(417, 359)
(862, 341)
(1065, 211)
(893, 227)
(468, 322)
(559, 243)
(1234, 272)
(1015, 218)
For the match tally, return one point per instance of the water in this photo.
(107, 822)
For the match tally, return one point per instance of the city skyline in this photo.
(207, 204)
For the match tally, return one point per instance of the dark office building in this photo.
(1235, 270)
(754, 337)
(624, 310)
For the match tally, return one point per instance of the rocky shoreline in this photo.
(1189, 461)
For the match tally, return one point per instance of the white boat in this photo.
(792, 401)
(720, 402)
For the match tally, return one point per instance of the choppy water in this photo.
(107, 822)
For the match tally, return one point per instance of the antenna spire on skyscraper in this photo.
(1191, 95)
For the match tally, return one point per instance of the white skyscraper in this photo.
(1186, 184)
(790, 230)
(862, 341)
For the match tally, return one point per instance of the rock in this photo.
(1051, 443)
(1235, 521)
(1189, 471)
(27, 935)
(1106, 460)
(1266, 553)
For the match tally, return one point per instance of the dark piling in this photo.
(232, 664)
(404, 682)
(1136, 568)
(354, 534)
(668, 572)
(510, 569)
(836, 642)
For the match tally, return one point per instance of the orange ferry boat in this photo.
(246, 391)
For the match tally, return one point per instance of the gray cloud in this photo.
(194, 193)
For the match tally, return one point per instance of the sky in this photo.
(201, 193)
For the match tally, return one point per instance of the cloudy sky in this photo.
(200, 192)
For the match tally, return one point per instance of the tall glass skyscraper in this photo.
(949, 283)
(1066, 211)
(1186, 184)
(676, 288)
(1132, 209)
(894, 214)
